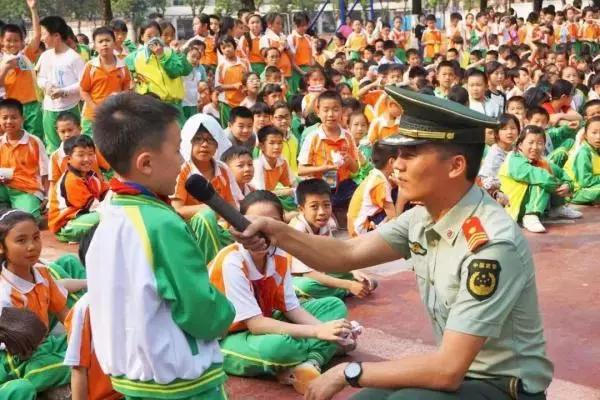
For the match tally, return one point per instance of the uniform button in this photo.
(449, 233)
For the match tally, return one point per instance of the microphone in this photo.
(203, 191)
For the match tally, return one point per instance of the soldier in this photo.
(473, 266)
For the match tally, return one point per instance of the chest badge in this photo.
(416, 248)
(483, 278)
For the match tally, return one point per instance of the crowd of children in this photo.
(284, 126)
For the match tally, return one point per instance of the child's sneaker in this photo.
(532, 223)
(300, 376)
(565, 212)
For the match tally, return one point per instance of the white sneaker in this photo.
(532, 223)
(300, 376)
(565, 212)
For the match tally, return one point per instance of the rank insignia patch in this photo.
(416, 248)
(483, 278)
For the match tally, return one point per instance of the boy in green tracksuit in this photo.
(155, 316)
(584, 166)
(559, 139)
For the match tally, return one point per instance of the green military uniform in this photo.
(584, 169)
(474, 270)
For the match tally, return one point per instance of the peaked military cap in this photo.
(430, 119)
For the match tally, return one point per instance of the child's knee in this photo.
(282, 350)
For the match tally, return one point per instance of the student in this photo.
(387, 124)
(240, 163)
(123, 45)
(505, 137)
(191, 82)
(389, 53)
(59, 70)
(271, 94)
(329, 151)
(76, 196)
(202, 143)
(314, 80)
(559, 139)
(300, 49)
(274, 38)
(103, 76)
(356, 41)
(272, 334)
(494, 72)
(358, 126)
(67, 126)
(262, 115)
(559, 106)
(228, 78)
(178, 315)
(359, 72)
(24, 180)
(272, 74)
(249, 44)
(516, 106)
(533, 184)
(445, 77)
(372, 202)
(251, 84)
(281, 120)
(271, 171)
(16, 71)
(28, 284)
(210, 57)
(88, 381)
(477, 87)
(240, 130)
(431, 40)
(583, 167)
(158, 69)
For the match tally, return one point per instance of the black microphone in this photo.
(203, 191)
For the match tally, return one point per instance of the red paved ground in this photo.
(568, 277)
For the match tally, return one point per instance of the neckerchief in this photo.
(134, 189)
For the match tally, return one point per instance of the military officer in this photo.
(473, 267)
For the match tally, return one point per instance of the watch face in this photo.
(352, 370)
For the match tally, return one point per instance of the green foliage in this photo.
(16, 10)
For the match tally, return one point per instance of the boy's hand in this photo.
(157, 49)
(10, 62)
(175, 45)
(31, 4)
(329, 167)
(333, 331)
(359, 289)
(563, 190)
(362, 277)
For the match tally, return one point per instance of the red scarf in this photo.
(264, 291)
(131, 188)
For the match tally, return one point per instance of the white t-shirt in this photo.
(63, 71)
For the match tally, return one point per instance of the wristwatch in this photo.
(352, 373)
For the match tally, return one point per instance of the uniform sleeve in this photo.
(76, 193)
(86, 79)
(491, 282)
(54, 170)
(175, 64)
(79, 345)
(290, 44)
(264, 42)
(218, 75)
(561, 133)
(304, 157)
(43, 161)
(182, 281)
(395, 232)
(582, 167)
(287, 178)
(523, 171)
(57, 296)
(238, 289)
(180, 192)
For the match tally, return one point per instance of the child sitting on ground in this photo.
(314, 201)
(272, 334)
(23, 162)
(67, 126)
(372, 202)
(534, 184)
(239, 132)
(583, 167)
(358, 126)
(78, 192)
(240, 162)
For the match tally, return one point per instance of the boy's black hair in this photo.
(477, 53)
(265, 131)
(589, 122)
(430, 17)
(474, 72)
(493, 53)
(103, 30)
(11, 104)
(382, 153)
(452, 50)
(118, 25)
(535, 96)
(370, 48)
(81, 141)
(225, 39)
(312, 186)
(394, 68)
(516, 99)
(410, 52)
(296, 103)
(65, 116)
(268, 89)
(329, 95)
(530, 129)
(446, 63)
(240, 112)
(84, 244)
(235, 152)
(127, 122)
(417, 71)
(389, 45)
(54, 24)
(260, 108)
(12, 28)
(352, 104)
(272, 69)
(86, 39)
(492, 67)
(531, 111)
(279, 104)
(561, 88)
(301, 18)
(456, 15)
(502, 48)
(459, 94)
(514, 58)
(196, 43)
(505, 118)
(589, 104)
(261, 196)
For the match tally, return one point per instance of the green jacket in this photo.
(584, 167)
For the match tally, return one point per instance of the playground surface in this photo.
(568, 281)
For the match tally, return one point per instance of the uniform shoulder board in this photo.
(474, 233)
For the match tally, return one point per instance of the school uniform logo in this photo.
(483, 278)
(416, 248)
